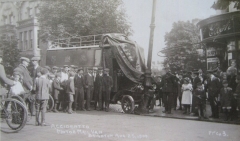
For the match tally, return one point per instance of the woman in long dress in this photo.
(186, 95)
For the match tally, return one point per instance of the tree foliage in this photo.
(71, 18)
(11, 54)
(223, 4)
(182, 46)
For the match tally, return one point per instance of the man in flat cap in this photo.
(27, 80)
(35, 70)
(98, 97)
(71, 68)
(167, 84)
(36, 67)
(213, 87)
(54, 70)
(79, 84)
(89, 86)
(107, 86)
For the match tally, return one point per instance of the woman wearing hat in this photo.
(186, 95)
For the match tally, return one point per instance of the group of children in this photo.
(227, 99)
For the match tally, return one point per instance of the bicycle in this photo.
(49, 106)
(14, 113)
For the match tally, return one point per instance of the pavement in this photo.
(116, 126)
(178, 114)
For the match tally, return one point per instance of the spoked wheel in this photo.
(15, 114)
(19, 99)
(50, 103)
(127, 104)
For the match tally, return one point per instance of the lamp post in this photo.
(149, 61)
(148, 72)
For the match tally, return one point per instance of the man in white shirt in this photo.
(63, 95)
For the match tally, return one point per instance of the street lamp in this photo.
(148, 79)
(149, 62)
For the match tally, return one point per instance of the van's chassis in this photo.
(129, 98)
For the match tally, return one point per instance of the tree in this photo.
(73, 18)
(223, 4)
(10, 54)
(182, 46)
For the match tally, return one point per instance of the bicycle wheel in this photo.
(50, 103)
(16, 114)
(19, 98)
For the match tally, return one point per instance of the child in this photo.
(42, 96)
(70, 91)
(226, 97)
(186, 95)
(200, 100)
(17, 89)
(56, 91)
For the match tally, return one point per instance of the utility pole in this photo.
(148, 79)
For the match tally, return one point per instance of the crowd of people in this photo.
(192, 90)
(73, 89)
(70, 87)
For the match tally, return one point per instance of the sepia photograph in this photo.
(120, 70)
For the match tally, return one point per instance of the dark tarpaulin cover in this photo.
(128, 54)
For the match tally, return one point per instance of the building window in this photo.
(11, 19)
(30, 12)
(38, 39)
(20, 40)
(30, 39)
(36, 10)
(25, 41)
(4, 19)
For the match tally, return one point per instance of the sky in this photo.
(139, 14)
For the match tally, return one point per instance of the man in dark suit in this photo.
(27, 81)
(94, 73)
(196, 80)
(107, 86)
(89, 83)
(79, 90)
(36, 69)
(22, 69)
(167, 84)
(213, 87)
(98, 90)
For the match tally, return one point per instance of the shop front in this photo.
(220, 36)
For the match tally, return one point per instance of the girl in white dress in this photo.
(18, 88)
(186, 95)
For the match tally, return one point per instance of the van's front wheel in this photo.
(128, 104)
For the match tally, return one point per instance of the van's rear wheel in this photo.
(128, 104)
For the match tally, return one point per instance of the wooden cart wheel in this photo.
(127, 104)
